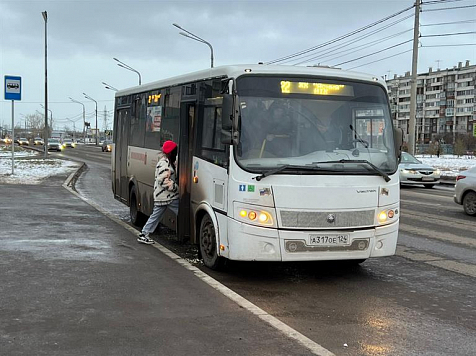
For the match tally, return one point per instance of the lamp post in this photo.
(84, 118)
(88, 97)
(45, 17)
(51, 116)
(192, 36)
(110, 87)
(74, 129)
(128, 67)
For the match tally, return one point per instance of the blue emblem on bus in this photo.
(242, 188)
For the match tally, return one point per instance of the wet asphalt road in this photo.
(420, 302)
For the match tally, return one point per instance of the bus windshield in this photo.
(333, 125)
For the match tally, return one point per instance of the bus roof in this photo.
(234, 71)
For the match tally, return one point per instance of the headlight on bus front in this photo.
(255, 215)
(387, 216)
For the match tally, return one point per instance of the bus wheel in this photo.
(208, 244)
(137, 218)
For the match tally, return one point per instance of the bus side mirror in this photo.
(398, 141)
(229, 136)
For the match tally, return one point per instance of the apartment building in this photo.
(445, 101)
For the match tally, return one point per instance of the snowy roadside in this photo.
(29, 169)
(449, 165)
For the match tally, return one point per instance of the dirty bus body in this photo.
(275, 163)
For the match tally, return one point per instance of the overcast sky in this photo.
(84, 36)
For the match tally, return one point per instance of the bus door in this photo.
(122, 132)
(186, 144)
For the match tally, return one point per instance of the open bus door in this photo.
(120, 155)
(186, 144)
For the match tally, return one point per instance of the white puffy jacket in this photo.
(165, 188)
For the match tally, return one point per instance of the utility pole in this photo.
(105, 120)
(413, 91)
(45, 17)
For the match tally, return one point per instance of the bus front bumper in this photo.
(254, 243)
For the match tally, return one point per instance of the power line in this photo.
(355, 49)
(437, 2)
(449, 34)
(338, 38)
(352, 41)
(450, 8)
(371, 54)
(448, 23)
(379, 60)
(50, 102)
(452, 45)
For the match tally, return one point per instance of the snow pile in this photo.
(33, 171)
(449, 165)
(6, 152)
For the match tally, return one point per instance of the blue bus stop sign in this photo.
(12, 88)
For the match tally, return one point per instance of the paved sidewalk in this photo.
(73, 282)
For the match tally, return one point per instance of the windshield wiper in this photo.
(374, 167)
(283, 168)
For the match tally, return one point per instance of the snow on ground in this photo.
(6, 152)
(449, 165)
(33, 171)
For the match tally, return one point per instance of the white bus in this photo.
(275, 163)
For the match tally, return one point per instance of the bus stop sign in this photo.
(12, 88)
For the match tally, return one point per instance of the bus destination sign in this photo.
(288, 87)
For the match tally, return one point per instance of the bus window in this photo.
(211, 147)
(137, 131)
(171, 119)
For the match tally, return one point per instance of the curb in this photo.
(286, 330)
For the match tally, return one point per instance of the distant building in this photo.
(445, 102)
(58, 134)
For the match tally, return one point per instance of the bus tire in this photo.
(354, 262)
(208, 244)
(137, 218)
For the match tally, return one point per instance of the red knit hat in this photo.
(168, 146)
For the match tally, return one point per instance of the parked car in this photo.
(413, 171)
(107, 146)
(67, 142)
(465, 191)
(7, 140)
(54, 145)
(23, 141)
(38, 141)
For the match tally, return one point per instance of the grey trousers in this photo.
(157, 214)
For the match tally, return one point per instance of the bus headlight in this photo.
(256, 215)
(387, 216)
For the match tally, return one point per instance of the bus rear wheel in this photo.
(208, 244)
(137, 218)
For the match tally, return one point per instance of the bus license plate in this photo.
(427, 179)
(329, 240)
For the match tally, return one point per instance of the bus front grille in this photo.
(328, 219)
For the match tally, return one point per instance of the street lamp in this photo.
(45, 17)
(84, 119)
(109, 86)
(74, 128)
(125, 66)
(192, 36)
(88, 97)
(51, 116)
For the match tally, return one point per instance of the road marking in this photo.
(442, 236)
(291, 333)
(438, 219)
(436, 261)
(419, 202)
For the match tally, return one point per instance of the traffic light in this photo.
(87, 124)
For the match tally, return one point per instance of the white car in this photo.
(465, 191)
(412, 171)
